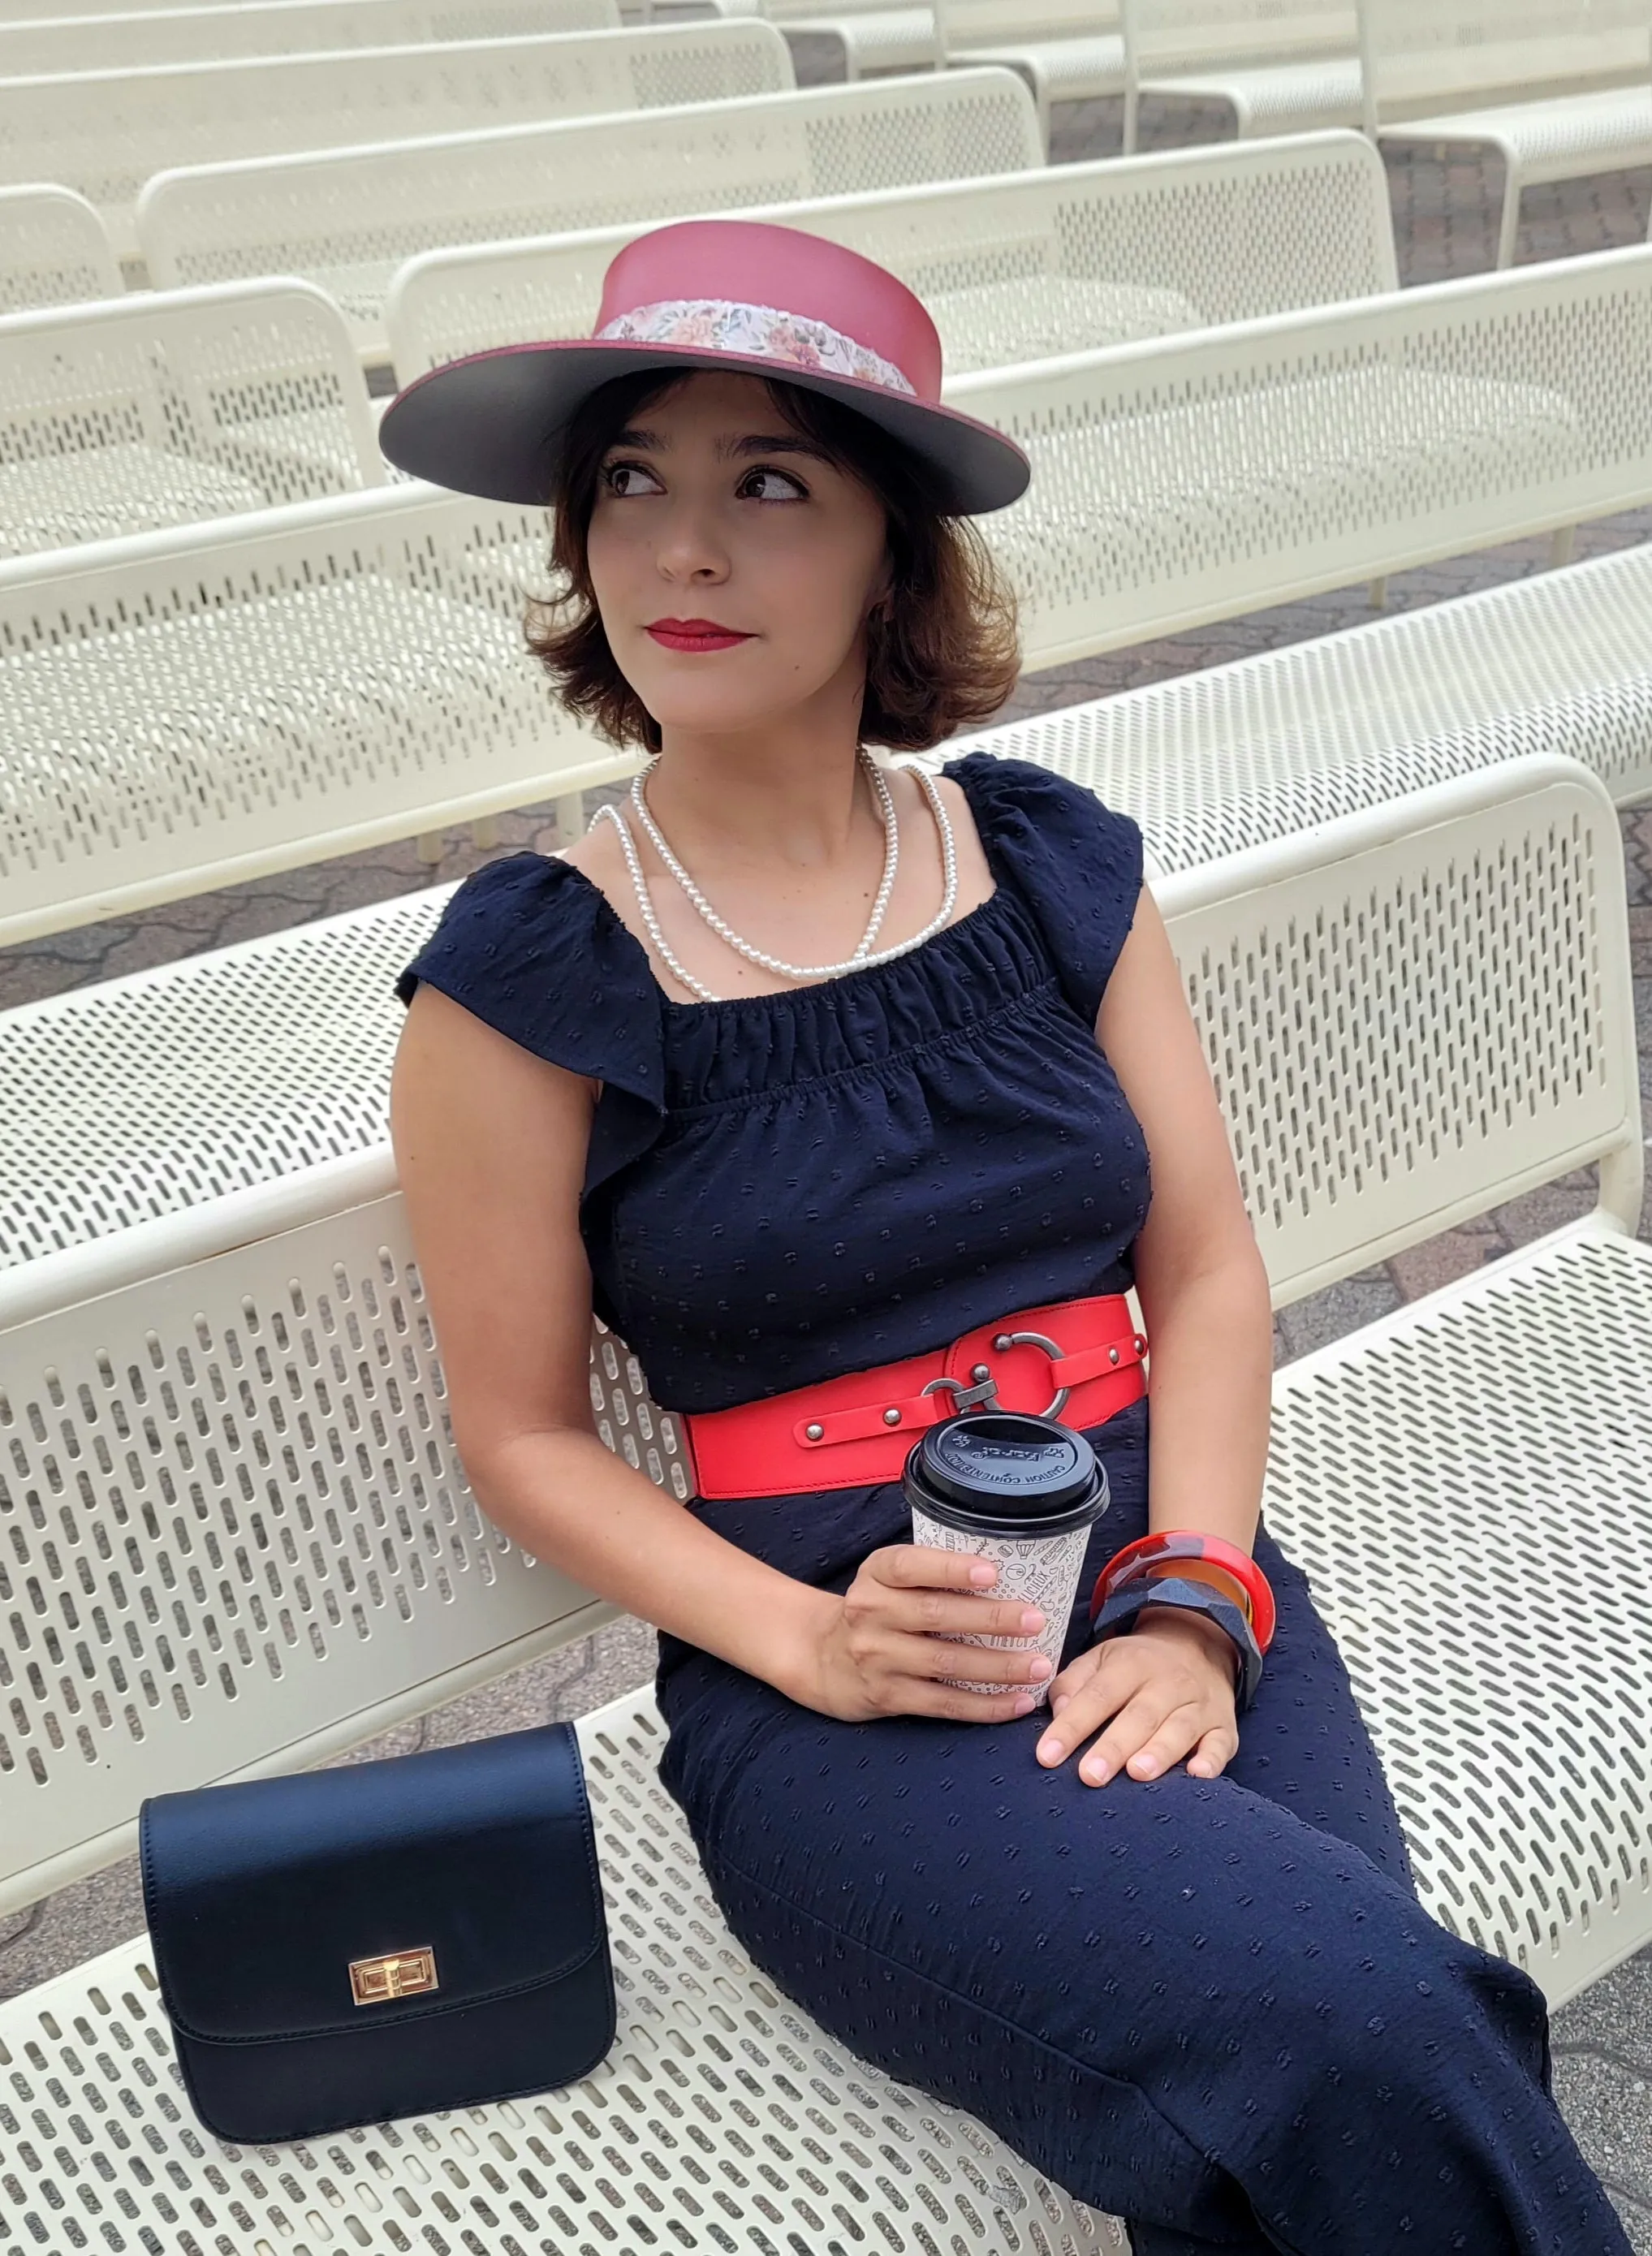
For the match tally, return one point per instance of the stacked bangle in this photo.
(1202, 1574)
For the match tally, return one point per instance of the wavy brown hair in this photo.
(943, 653)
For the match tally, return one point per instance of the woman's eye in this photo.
(772, 485)
(626, 479)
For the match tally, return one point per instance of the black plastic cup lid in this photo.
(997, 1472)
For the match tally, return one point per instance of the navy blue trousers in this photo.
(1210, 2006)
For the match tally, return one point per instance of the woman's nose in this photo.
(689, 548)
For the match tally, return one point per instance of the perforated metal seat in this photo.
(187, 708)
(90, 40)
(161, 408)
(348, 220)
(54, 250)
(1063, 258)
(105, 133)
(1198, 478)
(245, 1541)
(1066, 50)
(1280, 65)
(721, 2118)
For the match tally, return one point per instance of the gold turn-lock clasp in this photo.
(398, 1974)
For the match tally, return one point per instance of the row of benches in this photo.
(166, 735)
(163, 407)
(317, 204)
(241, 1542)
(104, 134)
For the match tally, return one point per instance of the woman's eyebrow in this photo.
(770, 442)
(637, 435)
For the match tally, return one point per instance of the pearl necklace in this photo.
(865, 955)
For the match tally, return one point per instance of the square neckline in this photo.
(814, 986)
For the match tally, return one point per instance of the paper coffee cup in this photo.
(1023, 1491)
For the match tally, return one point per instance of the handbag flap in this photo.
(443, 1879)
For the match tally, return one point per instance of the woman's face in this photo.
(733, 565)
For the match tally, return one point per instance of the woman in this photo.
(811, 1072)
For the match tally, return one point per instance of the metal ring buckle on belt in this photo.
(982, 1394)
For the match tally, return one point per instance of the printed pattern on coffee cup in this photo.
(1042, 1574)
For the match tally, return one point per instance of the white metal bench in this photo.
(869, 35)
(95, 41)
(245, 1543)
(274, 1054)
(1399, 60)
(1057, 260)
(166, 407)
(348, 218)
(1425, 61)
(54, 250)
(1192, 478)
(105, 133)
(187, 708)
(1067, 50)
(1280, 68)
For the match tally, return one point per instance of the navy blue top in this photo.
(788, 1186)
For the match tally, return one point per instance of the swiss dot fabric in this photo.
(789, 1187)
(1212, 2007)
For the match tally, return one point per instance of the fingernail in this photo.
(984, 1573)
(1144, 1765)
(1096, 1772)
(1032, 1622)
(1050, 1751)
(1039, 1669)
(1025, 1703)
(1058, 1701)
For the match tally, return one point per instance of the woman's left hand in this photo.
(1164, 1690)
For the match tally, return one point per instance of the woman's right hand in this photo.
(885, 1645)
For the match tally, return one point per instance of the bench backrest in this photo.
(966, 24)
(105, 133)
(96, 42)
(1162, 37)
(240, 1538)
(1466, 54)
(166, 407)
(54, 250)
(187, 708)
(1198, 477)
(349, 219)
(1012, 268)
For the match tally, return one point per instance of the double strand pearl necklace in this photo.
(865, 954)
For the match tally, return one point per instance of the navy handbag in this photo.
(350, 1945)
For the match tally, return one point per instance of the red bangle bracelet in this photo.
(1169, 1550)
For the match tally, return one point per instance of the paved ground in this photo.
(1445, 207)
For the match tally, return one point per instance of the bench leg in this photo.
(1508, 233)
(1563, 546)
(428, 846)
(1378, 594)
(569, 811)
(484, 833)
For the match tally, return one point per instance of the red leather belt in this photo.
(1079, 1361)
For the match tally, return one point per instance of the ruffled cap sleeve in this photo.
(530, 947)
(1078, 863)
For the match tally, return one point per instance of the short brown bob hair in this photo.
(945, 654)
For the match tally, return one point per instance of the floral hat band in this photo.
(742, 297)
(761, 332)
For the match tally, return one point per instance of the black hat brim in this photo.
(493, 423)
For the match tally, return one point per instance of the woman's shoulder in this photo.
(1077, 862)
(1037, 808)
(532, 946)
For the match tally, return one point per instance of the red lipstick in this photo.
(694, 634)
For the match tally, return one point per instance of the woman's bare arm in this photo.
(491, 1145)
(1199, 1274)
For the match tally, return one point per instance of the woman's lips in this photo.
(694, 634)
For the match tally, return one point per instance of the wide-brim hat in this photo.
(738, 295)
